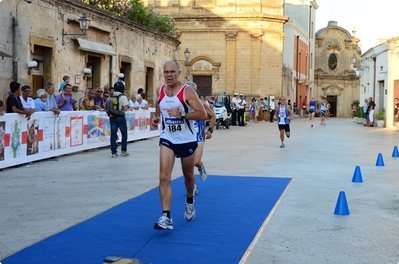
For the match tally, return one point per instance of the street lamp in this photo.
(358, 66)
(84, 23)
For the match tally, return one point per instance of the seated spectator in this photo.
(50, 100)
(143, 104)
(27, 102)
(98, 98)
(40, 101)
(80, 101)
(64, 100)
(14, 104)
(88, 102)
(133, 104)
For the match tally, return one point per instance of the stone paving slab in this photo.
(46, 197)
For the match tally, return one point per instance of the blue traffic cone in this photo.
(342, 206)
(357, 175)
(380, 160)
(395, 152)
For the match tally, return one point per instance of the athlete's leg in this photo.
(166, 162)
(187, 164)
(198, 154)
(282, 135)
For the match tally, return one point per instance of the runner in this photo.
(201, 136)
(312, 110)
(284, 114)
(177, 107)
(323, 110)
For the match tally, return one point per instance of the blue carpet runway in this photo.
(230, 211)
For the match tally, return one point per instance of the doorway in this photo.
(93, 80)
(42, 72)
(204, 85)
(149, 85)
(332, 100)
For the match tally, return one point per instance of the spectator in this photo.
(144, 96)
(64, 100)
(6, 95)
(296, 110)
(88, 102)
(396, 114)
(27, 102)
(143, 104)
(265, 108)
(40, 101)
(140, 91)
(111, 91)
(80, 101)
(365, 108)
(105, 96)
(133, 104)
(371, 112)
(252, 110)
(14, 104)
(304, 107)
(66, 80)
(98, 98)
(50, 100)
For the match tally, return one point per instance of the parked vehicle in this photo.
(222, 110)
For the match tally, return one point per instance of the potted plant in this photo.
(380, 117)
(355, 104)
(360, 115)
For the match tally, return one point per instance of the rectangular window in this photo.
(204, 2)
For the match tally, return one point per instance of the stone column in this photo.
(256, 57)
(230, 61)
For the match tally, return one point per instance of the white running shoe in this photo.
(282, 145)
(202, 173)
(164, 223)
(189, 214)
(195, 192)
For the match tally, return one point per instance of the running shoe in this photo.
(282, 145)
(189, 214)
(164, 223)
(202, 173)
(195, 192)
(311, 125)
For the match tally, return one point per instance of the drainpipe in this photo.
(297, 69)
(15, 43)
(375, 73)
(15, 53)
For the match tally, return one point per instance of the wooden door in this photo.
(204, 85)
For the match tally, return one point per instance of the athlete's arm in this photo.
(212, 117)
(156, 118)
(195, 103)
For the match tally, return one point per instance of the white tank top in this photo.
(176, 130)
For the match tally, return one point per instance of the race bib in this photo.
(282, 115)
(174, 124)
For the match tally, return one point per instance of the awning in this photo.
(96, 47)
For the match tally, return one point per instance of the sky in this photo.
(372, 19)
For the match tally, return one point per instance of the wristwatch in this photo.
(210, 130)
(183, 114)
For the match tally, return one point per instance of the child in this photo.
(66, 80)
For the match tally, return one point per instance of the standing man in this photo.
(272, 106)
(312, 110)
(27, 102)
(14, 104)
(178, 106)
(98, 98)
(201, 136)
(284, 114)
(241, 109)
(64, 100)
(396, 114)
(371, 112)
(50, 100)
(235, 109)
(117, 104)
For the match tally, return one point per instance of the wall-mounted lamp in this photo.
(357, 65)
(86, 71)
(121, 75)
(84, 23)
(31, 65)
(187, 54)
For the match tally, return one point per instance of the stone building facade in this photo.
(32, 31)
(235, 45)
(334, 74)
